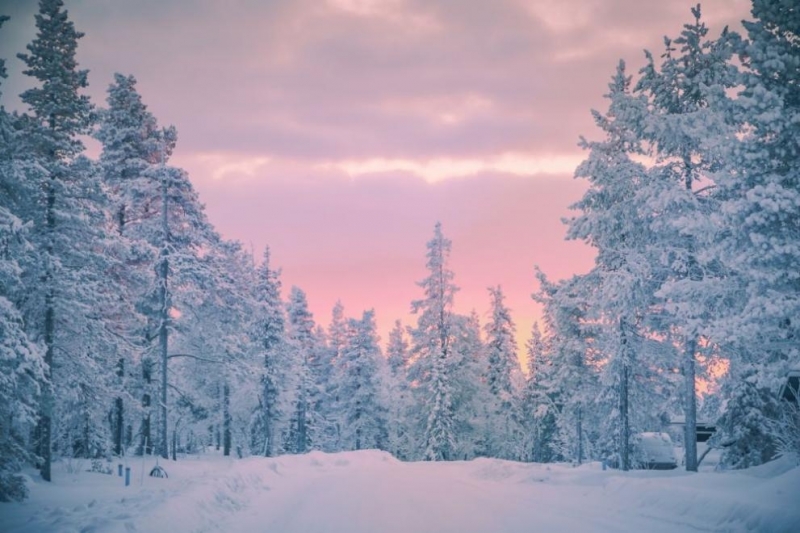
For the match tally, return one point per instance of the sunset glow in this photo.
(339, 132)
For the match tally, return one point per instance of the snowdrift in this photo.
(370, 491)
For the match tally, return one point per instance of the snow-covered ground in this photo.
(371, 492)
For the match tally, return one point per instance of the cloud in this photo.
(368, 79)
(434, 170)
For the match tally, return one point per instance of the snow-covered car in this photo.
(654, 451)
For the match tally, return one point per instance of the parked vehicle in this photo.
(654, 451)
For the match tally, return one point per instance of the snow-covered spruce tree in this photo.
(304, 421)
(397, 349)
(538, 404)
(182, 234)
(358, 375)
(680, 127)
(328, 348)
(213, 349)
(21, 361)
(744, 432)
(322, 361)
(269, 337)
(573, 356)
(431, 351)
(132, 145)
(469, 394)
(502, 378)
(759, 191)
(166, 228)
(18, 390)
(615, 219)
(66, 287)
(397, 394)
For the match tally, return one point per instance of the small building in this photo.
(705, 428)
(790, 389)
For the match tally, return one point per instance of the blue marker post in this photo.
(127, 476)
(119, 469)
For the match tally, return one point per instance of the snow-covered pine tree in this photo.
(66, 286)
(573, 356)
(214, 354)
(397, 393)
(469, 393)
(681, 128)
(502, 379)
(181, 233)
(397, 349)
(358, 375)
(744, 431)
(431, 349)
(336, 336)
(269, 337)
(21, 363)
(759, 190)
(539, 399)
(132, 144)
(304, 421)
(614, 218)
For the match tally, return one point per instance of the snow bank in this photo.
(370, 491)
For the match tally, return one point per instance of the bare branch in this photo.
(197, 357)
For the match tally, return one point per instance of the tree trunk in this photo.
(146, 437)
(579, 430)
(625, 435)
(300, 445)
(119, 420)
(689, 373)
(47, 405)
(226, 420)
(268, 429)
(690, 405)
(625, 440)
(163, 333)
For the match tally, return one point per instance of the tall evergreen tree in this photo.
(538, 402)
(269, 335)
(359, 383)
(573, 357)
(304, 420)
(502, 377)
(432, 340)
(62, 231)
(470, 398)
(397, 393)
(678, 122)
(615, 219)
(397, 349)
(759, 190)
(132, 147)
(20, 358)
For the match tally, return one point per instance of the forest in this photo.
(130, 326)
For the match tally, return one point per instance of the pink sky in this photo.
(338, 132)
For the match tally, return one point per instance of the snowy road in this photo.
(370, 492)
(393, 497)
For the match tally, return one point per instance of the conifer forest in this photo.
(130, 326)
